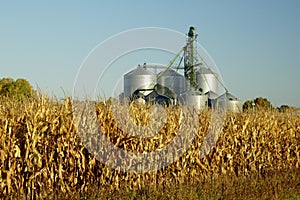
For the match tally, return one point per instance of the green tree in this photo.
(258, 103)
(19, 89)
(263, 103)
(287, 108)
(6, 86)
(247, 105)
(284, 108)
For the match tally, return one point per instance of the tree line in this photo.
(21, 89)
(264, 103)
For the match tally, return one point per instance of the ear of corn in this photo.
(40, 151)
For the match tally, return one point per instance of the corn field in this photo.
(41, 152)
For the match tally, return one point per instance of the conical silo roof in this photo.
(212, 95)
(228, 96)
(139, 71)
(169, 72)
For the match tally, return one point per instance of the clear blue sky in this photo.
(255, 44)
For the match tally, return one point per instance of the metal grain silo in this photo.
(172, 80)
(207, 80)
(139, 78)
(196, 100)
(229, 102)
